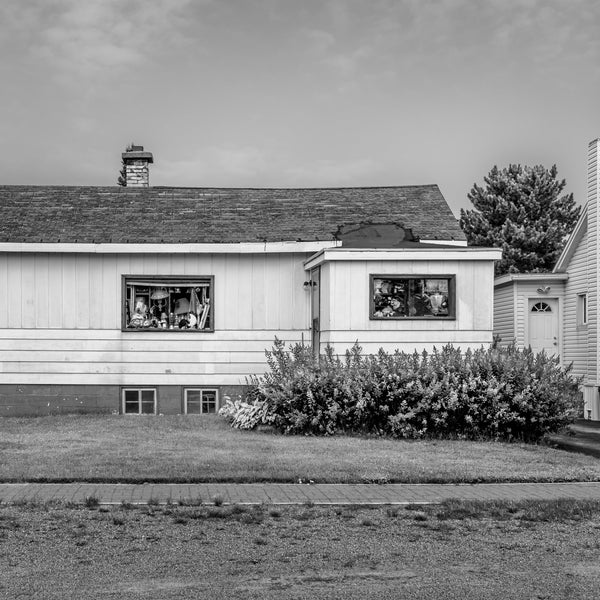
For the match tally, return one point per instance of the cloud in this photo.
(218, 166)
(250, 166)
(86, 39)
(330, 172)
(318, 41)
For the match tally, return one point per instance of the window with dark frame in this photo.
(582, 309)
(412, 297)
(200, 401)
(167, 303)
(139, 401)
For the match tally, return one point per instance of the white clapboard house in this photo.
(558, 312)
(144, 299)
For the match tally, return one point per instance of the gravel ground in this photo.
(156, 552)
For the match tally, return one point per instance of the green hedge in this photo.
(490, 393)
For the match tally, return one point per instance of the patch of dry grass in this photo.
(457, 550)
(180, 448)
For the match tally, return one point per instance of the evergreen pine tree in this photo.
(520, 210)
(122, 180)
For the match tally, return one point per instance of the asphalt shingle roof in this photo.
(209, 215)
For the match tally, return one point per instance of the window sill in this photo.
(425, 318)
(164, 331)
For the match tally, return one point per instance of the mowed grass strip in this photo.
(115, 448)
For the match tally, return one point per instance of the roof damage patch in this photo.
(375, 235)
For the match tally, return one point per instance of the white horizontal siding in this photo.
(525, 291)
(593, 248)
(504, 313)
(575, 335)
(112, 357)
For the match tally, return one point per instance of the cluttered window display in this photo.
(168, 305)
(402, 297)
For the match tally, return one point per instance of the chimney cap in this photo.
(137, 152)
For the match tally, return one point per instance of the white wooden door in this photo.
(543, 325)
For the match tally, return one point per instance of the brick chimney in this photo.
(137, 172)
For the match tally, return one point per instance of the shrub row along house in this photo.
(557, 312)
(144, 299)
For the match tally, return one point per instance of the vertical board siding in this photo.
(60, 318)
(82, 312)
(28, 304)
(349, 298)
(467, 301)
(75, 336)
(12, 318)
(4, 291)
(41, 291)
(504, 313)
(325, 298)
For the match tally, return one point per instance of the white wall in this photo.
(526, 291)
(346, 319)
(575, 335)
(504, 313)
(593, 248)
(60, 319)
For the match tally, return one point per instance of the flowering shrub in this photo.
(493, 393)
(244, 415)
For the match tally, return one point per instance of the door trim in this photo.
(529, 303)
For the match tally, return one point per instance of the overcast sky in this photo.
(298, 93)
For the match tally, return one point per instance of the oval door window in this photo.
(541, 307)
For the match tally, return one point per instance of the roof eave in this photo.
(577, 234)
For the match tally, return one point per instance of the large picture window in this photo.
(168, 303)
(412, 297)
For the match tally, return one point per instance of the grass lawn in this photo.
(457, 550)
(189, 449)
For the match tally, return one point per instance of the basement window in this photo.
(200, 401)
(412, 297)
(139, 401)
(167, 303)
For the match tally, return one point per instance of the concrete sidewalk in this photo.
(293, 493)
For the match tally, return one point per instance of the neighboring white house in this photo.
(558, 312)
(161, 300)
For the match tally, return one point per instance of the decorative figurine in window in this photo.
(182, 306)
(437, 303)
(157, 308)
(139, 313)
(419, 306)
(396, 307)
(141, 308)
